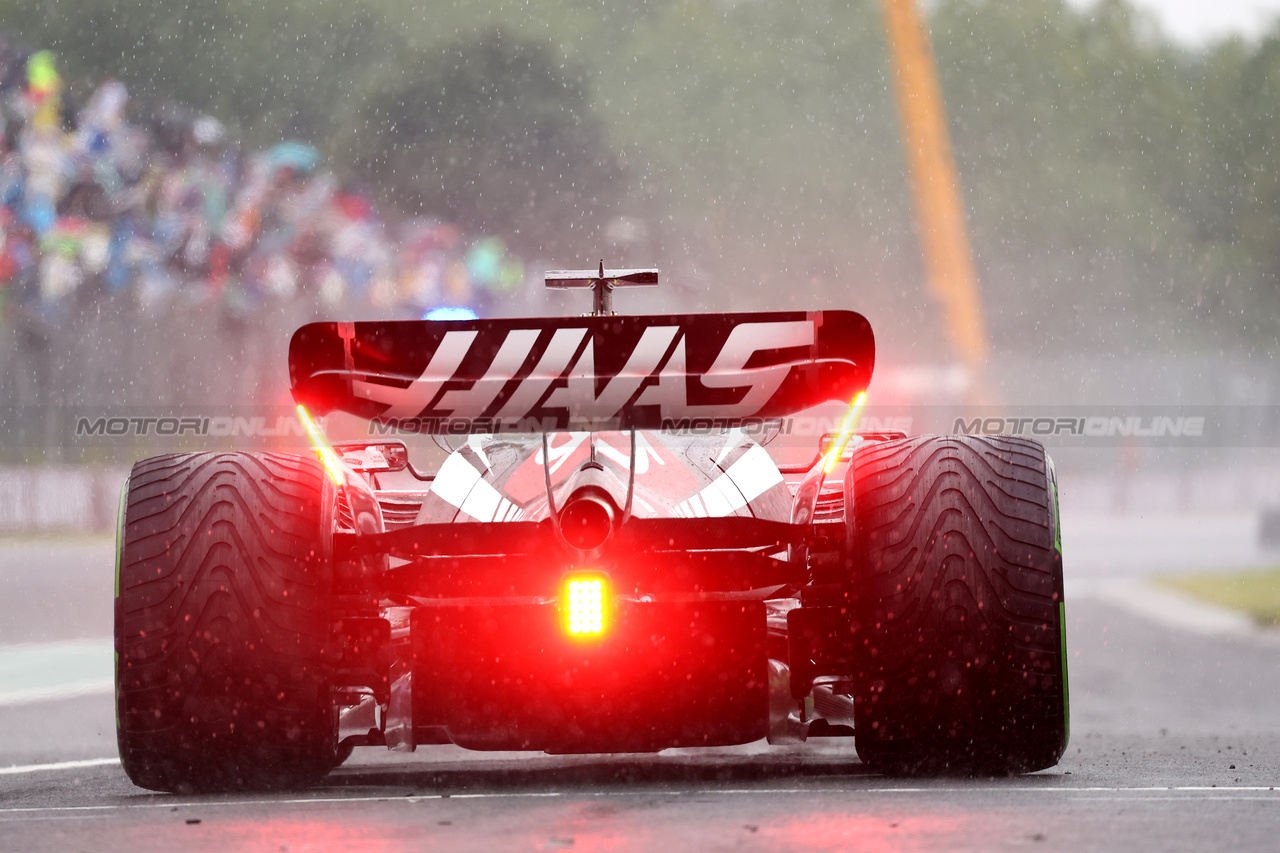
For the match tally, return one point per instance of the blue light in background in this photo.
(450, 312)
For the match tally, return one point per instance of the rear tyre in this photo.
(222, 622)
(960, 655)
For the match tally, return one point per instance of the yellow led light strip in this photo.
(330, 459)
(837, 450)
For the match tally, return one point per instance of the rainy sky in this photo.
(1195, 22)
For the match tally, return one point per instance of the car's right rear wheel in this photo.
(960, 657)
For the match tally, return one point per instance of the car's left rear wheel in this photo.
(222, 622)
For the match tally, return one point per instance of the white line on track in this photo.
(46, 694)
(1171, 609)
(67, 669)
(1242, 792)
(60, 765)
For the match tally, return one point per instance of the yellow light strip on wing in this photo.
(855, 411)
(330, 459)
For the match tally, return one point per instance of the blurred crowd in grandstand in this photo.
(173, 212)
(156, 261)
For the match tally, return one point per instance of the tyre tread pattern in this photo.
(222, 622)
(958, 586)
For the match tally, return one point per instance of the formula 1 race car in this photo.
(607, 560)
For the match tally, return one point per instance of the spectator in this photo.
(173, 212)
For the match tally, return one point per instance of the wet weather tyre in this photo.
(222, 622)
(958, 614)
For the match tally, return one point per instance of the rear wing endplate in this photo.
(677, 371)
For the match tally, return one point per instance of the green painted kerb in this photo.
(124, 494)
(1057, 515)
(1057, 520)
(1066, 694)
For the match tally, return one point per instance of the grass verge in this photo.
(1254, 593)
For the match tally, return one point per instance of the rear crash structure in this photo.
(607, 561)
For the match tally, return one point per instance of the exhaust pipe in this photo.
(587, 518)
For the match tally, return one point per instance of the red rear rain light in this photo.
(584, 604)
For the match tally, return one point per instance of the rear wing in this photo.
(676, 371)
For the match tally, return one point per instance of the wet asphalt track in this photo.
(1175, 746)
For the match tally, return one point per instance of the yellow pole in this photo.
(935, 187)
